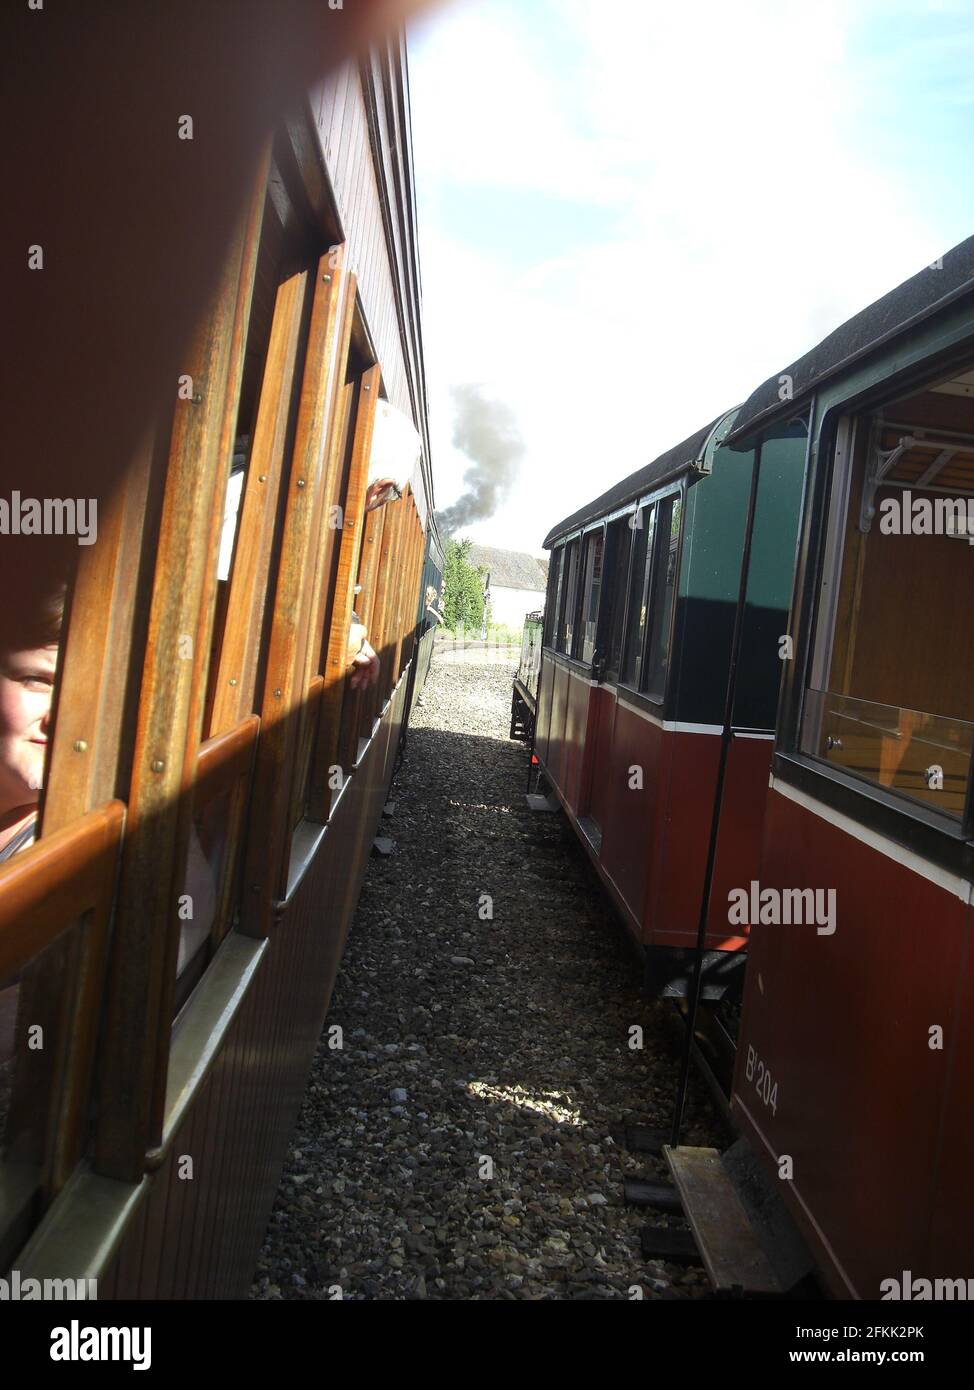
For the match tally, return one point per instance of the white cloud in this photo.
(747, 215)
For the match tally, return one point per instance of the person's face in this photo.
(26, 687)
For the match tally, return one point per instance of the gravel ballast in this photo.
(458, 1144)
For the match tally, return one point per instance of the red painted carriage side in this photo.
(631, 810)
(654, 835)
(578, 747)
(839, 1025)
(556, 729)
(672, 908)
(600, 737)
(543, 716)
(740, 835)
(950, 1252)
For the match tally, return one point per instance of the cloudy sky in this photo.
(631, 213)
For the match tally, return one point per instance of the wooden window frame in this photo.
(335, 667)
(65, 880)
(169, 723)
(288, 678)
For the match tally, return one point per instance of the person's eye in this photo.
(37, 685)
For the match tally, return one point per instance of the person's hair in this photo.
(35, 623)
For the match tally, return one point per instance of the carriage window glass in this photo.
(616, 570)
(665, 558)
(34, 1005)
(891, 697)
(591, 589)
(566, 626)
(642, 550)
(554, 596)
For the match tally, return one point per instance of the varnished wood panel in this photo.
(359, 207)
(285, 685)
(334, 668)
(238, 1128)
(236, 676)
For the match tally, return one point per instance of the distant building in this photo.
(515, 583)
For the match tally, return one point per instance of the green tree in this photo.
(463, 592)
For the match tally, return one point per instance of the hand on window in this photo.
(361, 658)
(380, 492)
(365, 668)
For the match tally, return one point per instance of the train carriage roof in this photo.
(917, 298)
(669, 465)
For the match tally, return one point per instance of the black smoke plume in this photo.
(486, 432)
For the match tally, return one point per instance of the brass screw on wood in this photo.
(197, 399)
(300, 482)
(277, 693)
(80, 746)
(158, 765)
(327, 279)
(233, 680)
(262, 478)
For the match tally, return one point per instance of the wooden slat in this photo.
(355, 700)
(418, 622)
(239, 654)
(335, 669)
(408, 593)
(396, 637)
(322, 583)
(225, 758)
(339, 446)
(285, 686)
(393, 644)
(225, 766)
(728, 1245)
(384, 603)
(88, 752)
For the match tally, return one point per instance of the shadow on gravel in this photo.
(457, 1144)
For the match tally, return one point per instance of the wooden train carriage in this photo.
(856, 1050)
(647, 587)
(213, 782)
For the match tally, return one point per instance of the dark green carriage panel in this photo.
(771, 575)
(710, 576)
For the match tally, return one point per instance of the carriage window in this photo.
(638, 593)
(616, 582)
(891, 697)
(554, 596)
(584, 647)
(566, 625)
(665, 558)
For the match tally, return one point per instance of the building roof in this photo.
(510, 569)
(917, 298)
(669, 465)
